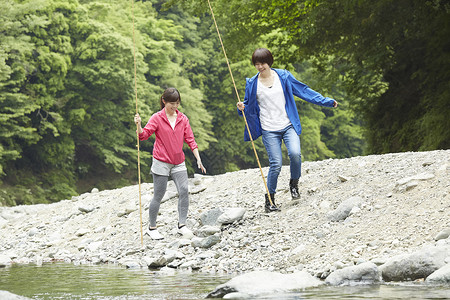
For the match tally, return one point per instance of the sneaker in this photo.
(154, 234)
(186, 232)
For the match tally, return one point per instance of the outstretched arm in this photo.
(304, 92)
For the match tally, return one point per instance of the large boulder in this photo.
(417, 265)
(441, 276)
(5, 295)
(261, 282)
(366, 273)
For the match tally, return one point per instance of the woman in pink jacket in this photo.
(172, 129)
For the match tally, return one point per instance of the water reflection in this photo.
(67, 281)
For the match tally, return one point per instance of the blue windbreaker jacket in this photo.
(291, 87)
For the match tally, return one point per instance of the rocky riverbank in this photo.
(370, 209)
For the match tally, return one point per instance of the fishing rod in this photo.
(239, 99)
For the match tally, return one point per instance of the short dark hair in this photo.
(262, 55)
(170, 95)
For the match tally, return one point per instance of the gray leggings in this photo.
(159, 189)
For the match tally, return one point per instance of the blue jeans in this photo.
(272, 142)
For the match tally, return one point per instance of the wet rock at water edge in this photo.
(366, 273)
(260, 282)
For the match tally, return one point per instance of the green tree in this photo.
(15, 106)
(244, 27)
(68, 94)
(37, 59)
(392, 57)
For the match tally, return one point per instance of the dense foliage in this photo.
(67, 95)
(391, 58)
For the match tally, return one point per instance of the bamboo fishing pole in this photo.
(239, 99)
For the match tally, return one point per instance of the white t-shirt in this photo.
(272, 103)
(172, 123)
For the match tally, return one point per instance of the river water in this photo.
(68, 281)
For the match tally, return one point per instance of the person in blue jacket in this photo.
(271, 112)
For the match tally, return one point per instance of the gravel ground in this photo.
(398, 204)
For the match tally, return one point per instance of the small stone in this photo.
(444, 234)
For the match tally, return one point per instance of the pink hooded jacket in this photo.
(168, 145)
